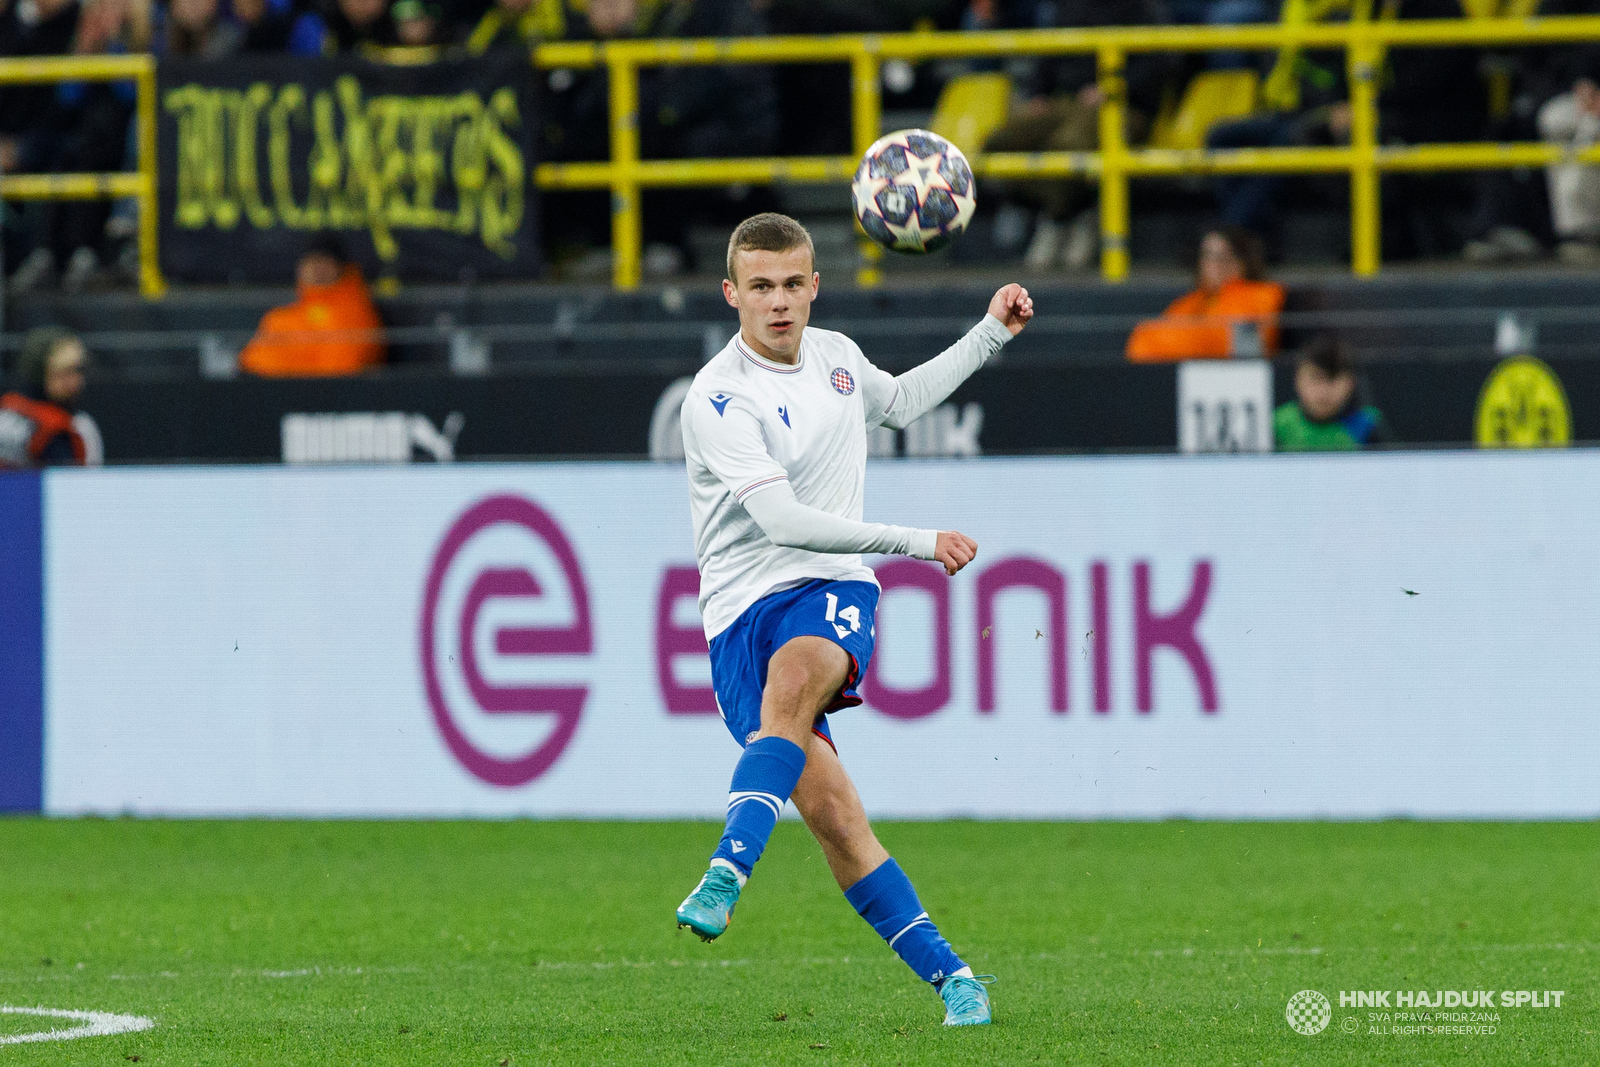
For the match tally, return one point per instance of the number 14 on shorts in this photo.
(849, 613)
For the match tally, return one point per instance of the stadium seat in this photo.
(1212, 97)
(970, 108)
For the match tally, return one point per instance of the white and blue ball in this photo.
(914, 192)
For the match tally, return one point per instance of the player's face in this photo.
(774, 294)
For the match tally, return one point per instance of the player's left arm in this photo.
(905, 398)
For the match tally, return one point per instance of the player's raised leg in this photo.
(879, 890)
(803, 677)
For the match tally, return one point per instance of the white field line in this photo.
(94, 1024)
(1184, 952)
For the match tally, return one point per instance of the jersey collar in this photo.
(766, 364)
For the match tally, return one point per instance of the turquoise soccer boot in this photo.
(709, 909)
(966, 1002)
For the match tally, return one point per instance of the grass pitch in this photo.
(553, 943)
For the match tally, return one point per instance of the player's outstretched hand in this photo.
(954, 550)
(1013, 307)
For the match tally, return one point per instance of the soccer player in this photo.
(775, 435)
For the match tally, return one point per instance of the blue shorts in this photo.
(841, 612)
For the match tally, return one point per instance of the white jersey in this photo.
(750, 423)
(752, 427)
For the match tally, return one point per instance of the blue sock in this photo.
(886, 900)
(762, 781)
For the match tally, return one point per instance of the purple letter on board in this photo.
(1033, 574)
(673, 640)
(1176, 631)
(1100, 595)
(914, 703)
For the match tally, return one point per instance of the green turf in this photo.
(477, 943)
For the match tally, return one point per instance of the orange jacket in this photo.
(285, 346)
(42, 423)
(1199, 325)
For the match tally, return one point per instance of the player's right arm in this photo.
(898, 401)
(728, 441)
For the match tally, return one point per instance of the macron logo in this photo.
(783, 413)
(720, 401)
(738, 847)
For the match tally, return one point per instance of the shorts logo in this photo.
(1308, 1012)
(842, 381)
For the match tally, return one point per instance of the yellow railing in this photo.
(140, 183)
(625, 174)
(1364, 43)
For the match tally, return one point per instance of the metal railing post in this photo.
(627, 224)
(1114, 210)
(151, 284)
(1366, 228)
(866, 119)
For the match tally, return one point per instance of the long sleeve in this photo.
(791, 524)
(921, 389)
(1558, 118)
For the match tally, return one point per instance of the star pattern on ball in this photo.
(914, 192)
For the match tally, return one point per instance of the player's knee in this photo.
(793, 686)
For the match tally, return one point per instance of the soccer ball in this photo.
(914, 192)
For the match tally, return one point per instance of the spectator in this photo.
(1232, 312)
(278, 26)
(1572, 120)
(1063, 115)
(576, 113)
(40, 425)
(1511, 216)
(325, 332)
(1224, 13)
(518, 24)
(416, 23)
(353, 26)
(85, 128)
(1421, 101)
(693, 112)
(1314, 112)
(1327, 414)
(30, 28)
(196, 28)
(702, 112)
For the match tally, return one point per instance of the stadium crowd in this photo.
(1292, 98)
(708, 112)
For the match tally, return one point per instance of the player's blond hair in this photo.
(768, 232)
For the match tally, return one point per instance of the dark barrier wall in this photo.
(1024, 410)
(426, 171)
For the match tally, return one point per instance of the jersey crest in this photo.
(842, 381)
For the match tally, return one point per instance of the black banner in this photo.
(426, 172)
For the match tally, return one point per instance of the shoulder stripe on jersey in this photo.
(753, 486)
(766, 364)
